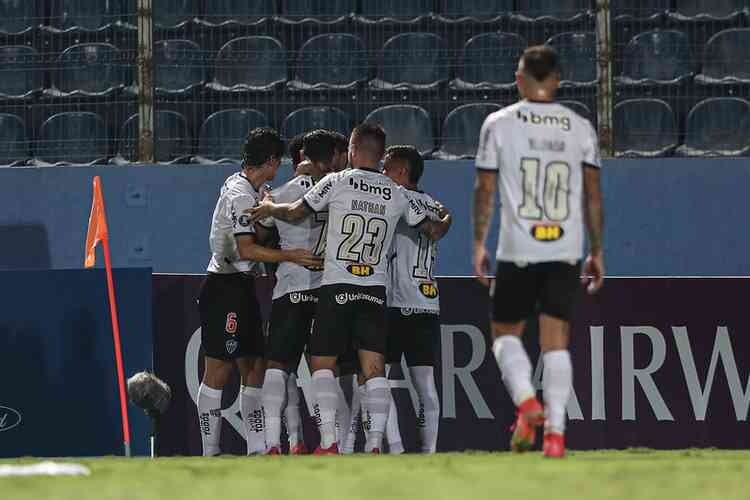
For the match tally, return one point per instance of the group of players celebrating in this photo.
(355, 243)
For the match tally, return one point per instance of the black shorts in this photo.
(412, 335)
(291, 322)
(231, 324)
(520, 292)
(349, 316)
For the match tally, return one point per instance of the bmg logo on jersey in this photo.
(550, 120)
(361, 185)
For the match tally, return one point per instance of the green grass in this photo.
(632, 475)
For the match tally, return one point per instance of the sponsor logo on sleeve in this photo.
(244, 220)
(547, 232)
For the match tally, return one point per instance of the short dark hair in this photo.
(412, 157)
(320, 146)
(295, 149)
(540, 62)
(370, 137)
(262, 144)
(342, 142)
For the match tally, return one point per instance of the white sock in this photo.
(273, 397)
(209, 419)
(355, 420)
(378, 403)
(326, 400)
(251, 409)
(428, 416)
(342, 412)
(291, 412)
(515, 366)
(557, 381)
(392, 432)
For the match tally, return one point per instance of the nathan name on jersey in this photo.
(364, 208)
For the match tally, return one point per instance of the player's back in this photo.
(540, 149)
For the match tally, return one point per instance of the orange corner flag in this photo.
(97, 225)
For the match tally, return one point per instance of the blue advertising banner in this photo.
(58, 389)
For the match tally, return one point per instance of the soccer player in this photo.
(545, 159)
(413, 303)
(294, 298)
(231, 332)
(364, 208)
(295, 150)
(341, 160)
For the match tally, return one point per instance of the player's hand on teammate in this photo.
(593, 272)
(481, 264)
(262, 210)
(305, 258)
(304, 168)
(442, 211)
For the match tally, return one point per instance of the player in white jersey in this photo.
(231, 330)
(545, 159)
(294, 297)
(364, 208)
(413, 301)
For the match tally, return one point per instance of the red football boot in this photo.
(530, 416)
(298, 449)
(332, 450)
(274, 450)
(554, 445)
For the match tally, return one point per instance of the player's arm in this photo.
(249, 249)
(288, 212)
(484, 203)
(435, 229)
(593, 271)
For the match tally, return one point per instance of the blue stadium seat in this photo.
(322, 9)
(14, 143)
(726, 58)
(89, 15)
(238, 11)
(579, 108)
(623, 10)
(644, 127)
(19, 16)
(658, 56)
(172, 139)
(396, 9)
(334, 60)
(21, 72)
(255, 63)
(482, 9)
(412, 60)
(490, 60)
(577, 53)
(708, 9)
(553, 9)
(461, 130)
(76, 137)
(89, 69)
(718, 126)
(179, 66)
(173, 13)
(405, 124)
(325, 117)
(223, 133)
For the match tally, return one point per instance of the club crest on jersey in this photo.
(429, 290)
(547, 232)
(244, 220)
(360, 270)
(231, 346)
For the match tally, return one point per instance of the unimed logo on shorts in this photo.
(343, 298)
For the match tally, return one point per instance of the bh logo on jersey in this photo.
(360, 270)
(429, 290)
(547, 232)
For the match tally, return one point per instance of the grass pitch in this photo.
(632, 475)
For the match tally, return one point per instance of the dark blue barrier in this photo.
(58, 389)
(664, 216)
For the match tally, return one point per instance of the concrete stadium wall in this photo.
(664, 216)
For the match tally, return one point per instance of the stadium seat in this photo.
(726, 58)
(173, 13)
(179, 66)
(250, 63)
(718, 126)
(623, 10)
(461, 130)
(577, 53)
(76, 137)
(223, 133)
(172, 140)
(405, 124)
(332, 60)
(475, 8)
(88, 15)
(579, 108)
(19, 16)
(708, 9)
(305, 119)
(644, 127)
(321, 9)
(14, 143)
(89, 69)
(553, 9)
(238, 11)
(658, 56)
(489, 60)
(21, 72)
(412, 60)
(396, 9)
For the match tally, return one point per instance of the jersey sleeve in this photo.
(591, 148)
(319, 196)
(241, 222)
(413, 214)
(488, 152)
